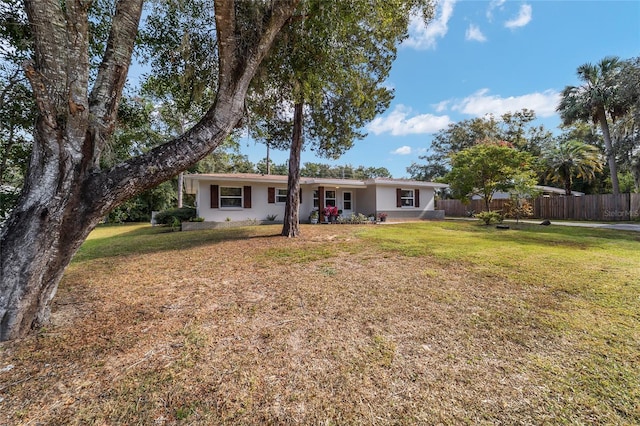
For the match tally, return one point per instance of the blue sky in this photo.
(482, 57)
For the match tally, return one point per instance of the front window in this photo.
(230, 197)
(346, 200)
(407, 198)
(330, 198)
(315, 198)
(281, 195)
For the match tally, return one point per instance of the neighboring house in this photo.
(545, 191)
(548, 191)
(236, 197)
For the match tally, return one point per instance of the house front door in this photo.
(347, 203)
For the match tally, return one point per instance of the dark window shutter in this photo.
(398, 197)
(416, 197)
(215, 197)
(271, 195)
(247, 197)
(300, 196)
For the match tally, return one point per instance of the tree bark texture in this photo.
(610, 153)
(66, 193)
(291, 226)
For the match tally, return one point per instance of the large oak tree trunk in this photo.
(66, 193)
(291, 226)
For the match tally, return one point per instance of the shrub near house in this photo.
(182, 214)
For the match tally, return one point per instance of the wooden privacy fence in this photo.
(603, 207)
(455, 208)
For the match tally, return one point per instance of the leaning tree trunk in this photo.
(610, 153)
(65, 203)
(54, 213)
(66, 193)
(37, 244)
(291, 226)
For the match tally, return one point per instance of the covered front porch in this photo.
(340, 199)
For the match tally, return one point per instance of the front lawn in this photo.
(416, 323)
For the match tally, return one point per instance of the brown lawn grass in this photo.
(430, 323)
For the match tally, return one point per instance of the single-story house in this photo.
(548, 191)
(239, 197)
(545, 191)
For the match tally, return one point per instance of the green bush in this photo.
(489, 217)
(130, 211)
(182, 214)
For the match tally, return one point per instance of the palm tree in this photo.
(596, 101)
(572, 158)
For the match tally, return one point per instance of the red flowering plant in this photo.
(330, 212)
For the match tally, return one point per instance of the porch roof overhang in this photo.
(334, 183)
(192, 179)
(237, 177)
(405, 182)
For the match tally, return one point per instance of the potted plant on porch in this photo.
(313, 217)
(382, 216)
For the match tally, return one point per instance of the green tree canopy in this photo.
(488, 167)
(571, 159)
(17, 109)
(343, 172)
(626, 129)
(324, 80)
(600, 101)
(515, 128)
(77, 69)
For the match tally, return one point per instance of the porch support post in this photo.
(320, 201)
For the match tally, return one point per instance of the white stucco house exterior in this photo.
(239, 197)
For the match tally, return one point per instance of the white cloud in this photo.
(400, 122)
(481, 103)
(421, 36)
(494, 4)
(523, 18)
(474, 34)
(441, 106)
(403, 150)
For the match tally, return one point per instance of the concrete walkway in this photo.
(619, 226)
(626, 226)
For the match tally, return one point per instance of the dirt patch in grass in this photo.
(324, 329)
